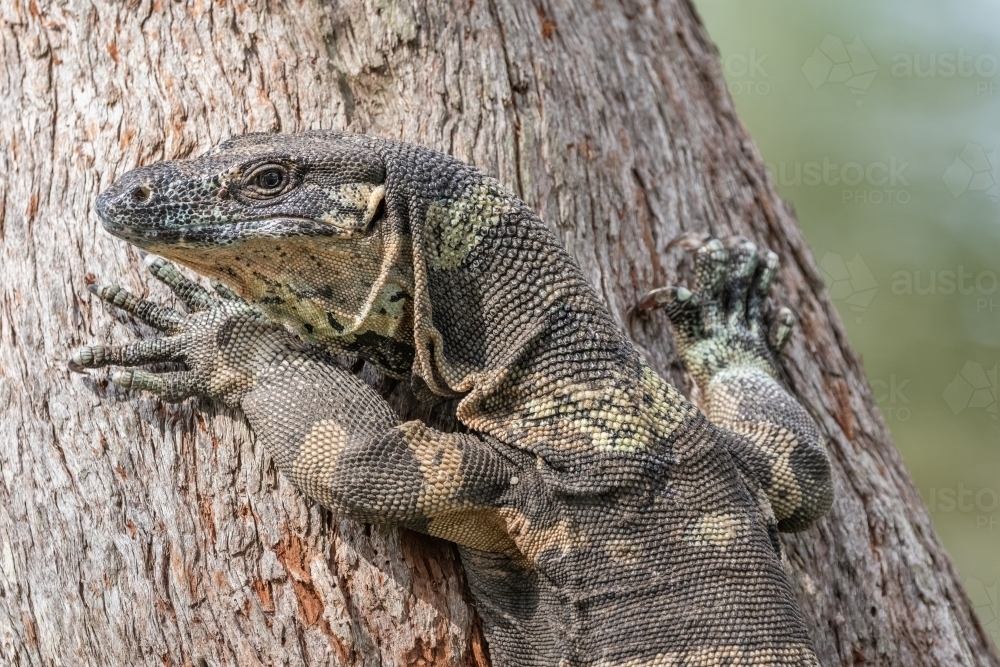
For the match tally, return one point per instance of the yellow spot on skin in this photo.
(722, 530)
(478, 528)
(453, 227)
(225, 379)
(607, 419)
(532, 540)
(439, 459)
(624, 551)
(317, 460)
(360, 199)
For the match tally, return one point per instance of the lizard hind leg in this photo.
(731, 348)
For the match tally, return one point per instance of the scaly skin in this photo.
(602, 518)
(731, 352)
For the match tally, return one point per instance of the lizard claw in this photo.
(688, 240)
(78, 362)
(678, 302)
(781, 328)
(663, 296)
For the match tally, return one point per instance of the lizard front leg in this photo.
(330, 433)
(731, 349)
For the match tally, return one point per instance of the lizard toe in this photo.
(709, 277)
(158, 317)
(147, 351)
(680, 305)
(767, 269)
(194, 296)
(739, 276)
(172, 387)
(781, 328)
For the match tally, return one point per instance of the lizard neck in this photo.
(575, 391)
(505, 317)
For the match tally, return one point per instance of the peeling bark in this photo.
(133, 532)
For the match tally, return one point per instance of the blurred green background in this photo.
(880, 122)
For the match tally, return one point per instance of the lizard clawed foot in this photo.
(720, 320)
(204, 339)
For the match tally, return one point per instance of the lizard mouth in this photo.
(223, 233)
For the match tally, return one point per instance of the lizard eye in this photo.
(268, 181)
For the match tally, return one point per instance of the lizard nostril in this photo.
(142, 193)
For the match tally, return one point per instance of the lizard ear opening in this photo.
(376, 207)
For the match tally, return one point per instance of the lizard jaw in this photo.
(221, 233)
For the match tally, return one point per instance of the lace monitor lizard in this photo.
(602, 519)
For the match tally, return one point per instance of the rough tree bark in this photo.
(133, 532)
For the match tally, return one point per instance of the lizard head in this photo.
(254, 186)
(295, 223)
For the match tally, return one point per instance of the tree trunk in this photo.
(134, 532)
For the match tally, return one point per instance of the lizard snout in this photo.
(137, 200)
(104, 205)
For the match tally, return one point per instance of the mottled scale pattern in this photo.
(601, 517)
